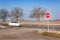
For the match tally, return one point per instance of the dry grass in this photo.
(35, 22)
(52, 34)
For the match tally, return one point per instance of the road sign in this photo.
(47, 15)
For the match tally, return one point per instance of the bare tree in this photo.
(4, 14)
(17, 13)
(37, 13)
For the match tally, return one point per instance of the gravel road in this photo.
(19, 33)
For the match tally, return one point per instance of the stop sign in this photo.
(47, 15)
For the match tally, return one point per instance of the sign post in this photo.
(47, 15)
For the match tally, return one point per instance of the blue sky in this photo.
(52, 6)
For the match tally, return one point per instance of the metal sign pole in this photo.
(48, 25)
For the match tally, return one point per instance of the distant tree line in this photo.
(17, 13)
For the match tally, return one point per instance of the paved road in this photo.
(22, 34)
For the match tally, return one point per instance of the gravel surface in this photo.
(19, 33)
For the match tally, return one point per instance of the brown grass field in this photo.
(39, 23)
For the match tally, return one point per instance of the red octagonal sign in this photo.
(47, 15)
